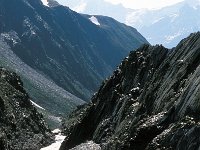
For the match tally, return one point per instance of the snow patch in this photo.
(45, 2)
(58, 140)
(157, 20)
(38, 106)
(94, 20)
(56, 131)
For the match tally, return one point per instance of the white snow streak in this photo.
(37, 105)
(94, 20)
(157, 20)
(45, 2)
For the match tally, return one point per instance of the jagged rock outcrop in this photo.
(21, 126)
(150, 102)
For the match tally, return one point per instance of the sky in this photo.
(138, 4)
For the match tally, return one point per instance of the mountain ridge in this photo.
(22, 127)
(62, 56)
(151, 101)
(59, 42)
(166, 25)
(42, 90)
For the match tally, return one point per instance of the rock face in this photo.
(65, 46)
(21, 126)
(150, 102)
(60, 55)
(42, 90)
(87, 146)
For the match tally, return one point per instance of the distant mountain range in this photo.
(61, 55)
(165, 26)
(99, 7)
(168, 25)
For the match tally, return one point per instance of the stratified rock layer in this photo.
(21, 126)
(152, 101)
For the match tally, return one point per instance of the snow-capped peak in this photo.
(94, 20)
(45, 2)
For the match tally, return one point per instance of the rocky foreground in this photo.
(152, 101)
(21, 126)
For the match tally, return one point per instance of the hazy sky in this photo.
(144, 3)
(136, 4)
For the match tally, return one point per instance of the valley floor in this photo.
(59, 138)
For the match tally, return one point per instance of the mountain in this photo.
(150, 102)
(66, 47)
(167, 25)
(41, 90)
(61, 56)
(21, 126)
(98, 7)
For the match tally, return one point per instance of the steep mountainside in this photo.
(150, 102)
(99, 7)
(65, 46)
(41, 90)
(167, 25)
(21, 126)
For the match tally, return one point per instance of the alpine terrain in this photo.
(53, 59)
(21, 126)
(62, 56)
(150, 102)
(166, 25)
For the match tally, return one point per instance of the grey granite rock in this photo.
(21, 126)
(152, 101)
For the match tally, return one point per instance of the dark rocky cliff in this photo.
(150, 102)
(21, 126)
